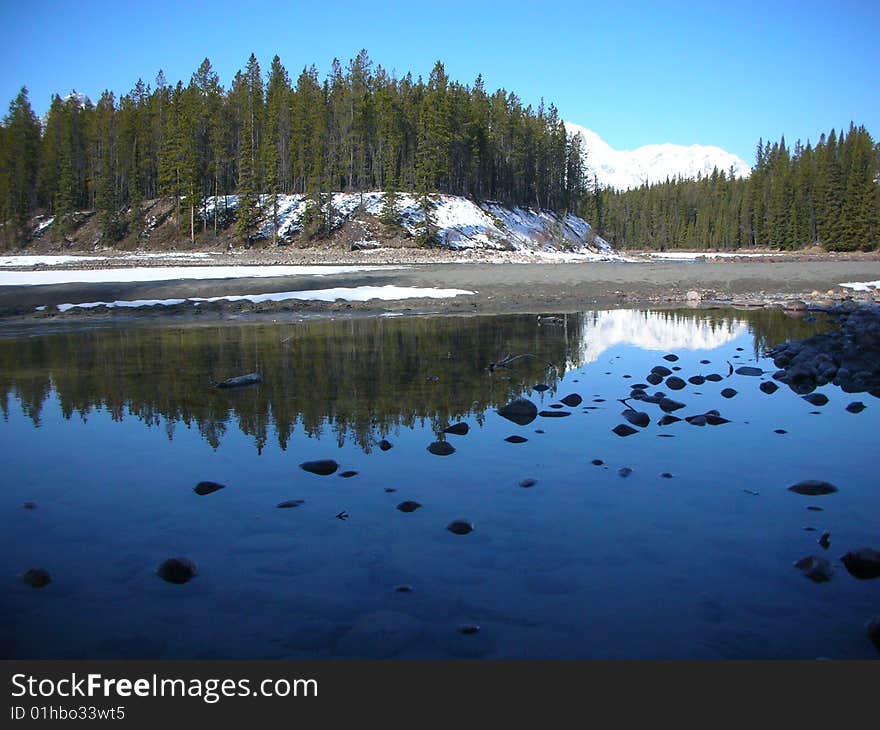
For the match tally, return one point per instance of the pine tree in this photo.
(20, 163)
(248, 179)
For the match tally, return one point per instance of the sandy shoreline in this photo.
(498, 287)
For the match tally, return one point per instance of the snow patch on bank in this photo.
(691, 256)
(173, 273)
(22, 261)
(862, 285)
(348, 294)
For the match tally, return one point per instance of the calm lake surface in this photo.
(108, 430)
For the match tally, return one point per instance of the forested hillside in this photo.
(360, 128)
(826, 195)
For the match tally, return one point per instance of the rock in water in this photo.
(554, 414)
(713, 419)
(856, 407)
(816, 399)
(408, 506)
(36, 577)
(637, 418)
(597, 462)
(290, 503)
(872, 628)
(516, 439)
(812, 487)
(825, 540)
(29, 505)
(675, 383)
(572, 400)
(668, 420)
(322, 467)
(624, 471)
(457, 429)
(528, 482)
(203, 488)
(177, 570)
(624, 430)
(654, 379)
(520, 410)
(460, 527)
(348, 474)
(698, 420)
(241, 380)
(750, 371)
(661, 370)
(815, 568)
(541, 387)
(696, 380)
(863, 563)
(441, 448)
(714, 378)
(385, 445)
(667, 405)
(670, 358)
(768, 387)
(728, 393)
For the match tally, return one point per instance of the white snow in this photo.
(653, 163)
(862, 285)
(687, 256)
(172, 273)
(21, 261)
(348, 294)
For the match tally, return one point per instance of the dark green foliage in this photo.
(826, 195)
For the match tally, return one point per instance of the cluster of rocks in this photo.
(848, 357)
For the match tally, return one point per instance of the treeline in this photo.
(826, 195)
(361, 128)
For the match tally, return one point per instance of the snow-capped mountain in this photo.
(624, 169)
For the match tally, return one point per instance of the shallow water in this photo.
(108, 430)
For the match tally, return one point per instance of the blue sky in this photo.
(636, 73)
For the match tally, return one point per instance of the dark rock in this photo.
(348, 474)
(572, 400)
(528, 482)
(814, 508)
(624, 430)
(780, 431)
(654, 379)
(460, 527)
(668, 420)
(815, 568)
(675, 383)
(715, 420)
(541, 387)
(241, 380)
(872, 629)
(408, 506)
(554, 414)
(812, 488)
(728, 393)
(390, 490)
(661, 370)
(698, 420)
(516, 439)
(177, 570)
(666, 475)
(816, 399)
(457, 429)
(385, 445)
(705, 362)
(696, 380)
(670, 358)
(825, 540)
(597, 462)
(637, 418)
(520, 410)
(624, 471)
(403, 588)
(469, 629)
(203, 488)
(321, 467)
(36, 577)
(714, 378)
(668, 405)
(29, 505)
(863, 563)
(750, 371)
(290, 503)
(768, 387)
(441, 448)
(556, 406)
(856, 407)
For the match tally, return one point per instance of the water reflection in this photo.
(356, 379)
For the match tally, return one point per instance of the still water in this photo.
(108, 430)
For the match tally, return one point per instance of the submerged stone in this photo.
(203, 488)
(668, 420)
(698, 420)
(856, 407)
(668, 405)
(749, 371)
(671, 358)
(441, 448)
(241, 380)
(768, 387)
(516, 439)
(624, 430)
(661, 370)
(408, 506)
(825, 540)
(780, 431)
(36, 577)
(348, 474)
(177, 570)
(460, 527)
(816, 399)
(457, 429)
(528, 482)
(728, 393)
(666, 475)
(597, 462)
(403, 588)
(863, 563)
(714, 378)
(520, 410)
(637, 418)
(385, 445)
(654, 379)
(469, 629)
(290, 503)
(321, 467)
(696, 380)
(541, 387)
(624, 471)
(554, 414)
(812, 487)
(816, 568)
(675, 383)
(572, 400)
(713, 419)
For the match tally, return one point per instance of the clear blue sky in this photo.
(722, 73)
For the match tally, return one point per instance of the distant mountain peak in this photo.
(653, 163)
